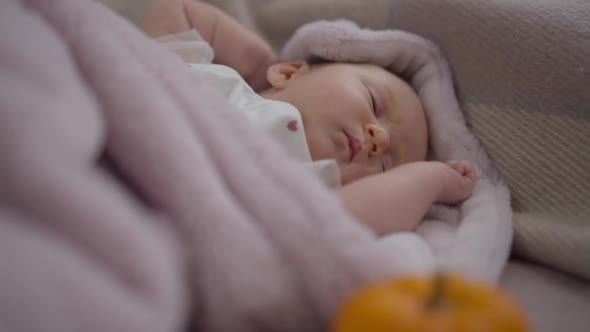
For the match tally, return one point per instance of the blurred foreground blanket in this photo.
(133, 198)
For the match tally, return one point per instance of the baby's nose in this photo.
(378, 139)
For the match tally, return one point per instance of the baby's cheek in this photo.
(352, 172)
(321, 145)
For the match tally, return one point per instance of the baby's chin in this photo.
(350, 172)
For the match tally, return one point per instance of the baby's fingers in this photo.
(464, 168)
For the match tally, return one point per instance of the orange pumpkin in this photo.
(442, 303)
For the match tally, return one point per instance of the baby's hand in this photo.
(458, 182)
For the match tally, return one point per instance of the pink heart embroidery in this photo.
(292, 125)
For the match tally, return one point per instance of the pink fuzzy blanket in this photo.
(133, 198)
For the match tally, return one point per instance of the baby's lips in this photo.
(354, 146)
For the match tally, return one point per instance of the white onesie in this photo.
(282, 121)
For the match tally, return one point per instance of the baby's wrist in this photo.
(438, 175)
(430, 175)
(434, 177)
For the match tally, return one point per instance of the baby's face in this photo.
(363, 116)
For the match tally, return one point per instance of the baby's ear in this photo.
(279, 74)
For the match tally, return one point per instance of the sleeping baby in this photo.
(361, 128)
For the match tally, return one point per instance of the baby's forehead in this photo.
(379, 72)
(371, 68)
(384, 74)
(357, 66)
(370, 71)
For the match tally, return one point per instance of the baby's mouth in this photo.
(354, 146)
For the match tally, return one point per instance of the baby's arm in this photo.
(397, 200)
(234, 45)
